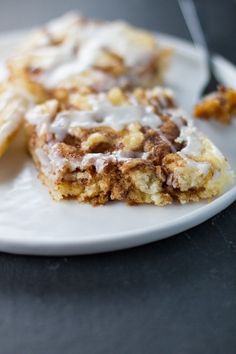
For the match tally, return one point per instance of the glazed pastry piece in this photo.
(133, 146)
(73, 53)
(219, 105)
(13, 105)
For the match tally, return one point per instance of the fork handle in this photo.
(191, 17)
(192, 21)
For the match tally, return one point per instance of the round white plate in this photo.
(31, 223)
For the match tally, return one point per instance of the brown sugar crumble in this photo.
(219, 105)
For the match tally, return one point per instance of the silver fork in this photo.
(192, 21)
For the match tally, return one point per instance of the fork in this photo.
(193, 24)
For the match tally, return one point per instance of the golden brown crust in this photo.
(8, 141)
(220, 105)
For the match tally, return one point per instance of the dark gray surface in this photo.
(177, 296)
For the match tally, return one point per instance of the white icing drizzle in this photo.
(99, 160)
(64, 61)
(190, 136)
(48, 57)
(193, 148)
(71, 26)
(12, 108)
(44, 161)
(41, 115)
(53, 163)
(104, 114)
(69, 31)
(61, 25)
(119, 38)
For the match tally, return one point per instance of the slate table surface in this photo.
(177, 296)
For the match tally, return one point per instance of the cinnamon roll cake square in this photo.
(73, 53)
(136, 146)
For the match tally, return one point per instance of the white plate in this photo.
(31, 223)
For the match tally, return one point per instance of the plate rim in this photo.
(98, 244)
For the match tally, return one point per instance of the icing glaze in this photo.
(53, 162)
(104, 114)
(81, 50)
(191, 137)
(41, 115)
(12, 108)
(193, 148)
